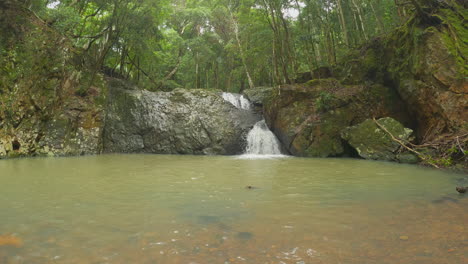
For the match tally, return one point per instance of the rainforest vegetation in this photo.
(233, 131)
(221, 44)
(317, 67)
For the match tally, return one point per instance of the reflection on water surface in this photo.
(187, 209)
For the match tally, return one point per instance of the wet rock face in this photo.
(258, 95)
(177, 122)
(308, 119)
(436, 90)
(53, 110)
(372, 142)
(428, 73)
(73, 128)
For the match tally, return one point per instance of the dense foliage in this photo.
(222, 44)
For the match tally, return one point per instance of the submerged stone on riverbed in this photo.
(245, 235)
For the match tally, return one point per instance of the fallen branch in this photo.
(459, 145)
(421, 156)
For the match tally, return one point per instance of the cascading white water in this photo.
(261, 141)
(237, 100)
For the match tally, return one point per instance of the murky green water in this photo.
(185, 209)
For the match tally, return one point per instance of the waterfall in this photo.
(261, 141)
(237, 100)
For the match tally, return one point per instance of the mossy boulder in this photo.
(258, 95)
(318, 73)
(426, 64)
(179, 122)
(308, 118)
(372, 142)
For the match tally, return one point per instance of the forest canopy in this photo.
(218, 44)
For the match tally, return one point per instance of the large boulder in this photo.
(177, 122)
(308, 119)
(319, 73)
(258, 95)
(372, 142)
(427, 67)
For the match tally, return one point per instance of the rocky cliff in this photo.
(48, 106)
(308, 118)
(178, 122)
(416, 74)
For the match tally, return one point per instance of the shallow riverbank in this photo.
(182, 209)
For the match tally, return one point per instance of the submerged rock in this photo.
(177, 122)
(407, 158)
(372, 142)
(445, 199)
(10, 240)
(244, 235)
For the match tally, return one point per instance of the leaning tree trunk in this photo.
(343, 22)
(241, 51)
(360, 19)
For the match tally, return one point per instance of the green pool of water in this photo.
(197, 209)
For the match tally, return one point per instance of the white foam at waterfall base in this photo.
(262, 143)
(237, 100)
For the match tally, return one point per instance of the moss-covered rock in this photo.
(258, 95)
(308, 118)
(372, 142)
(426, 64)
(47, 104)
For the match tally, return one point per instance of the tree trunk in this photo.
(378, 19)
(275, 64)
(360, 19)
(343, 22)
(241, 51)
(196, 71)
(216, 75)
(287, 47)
